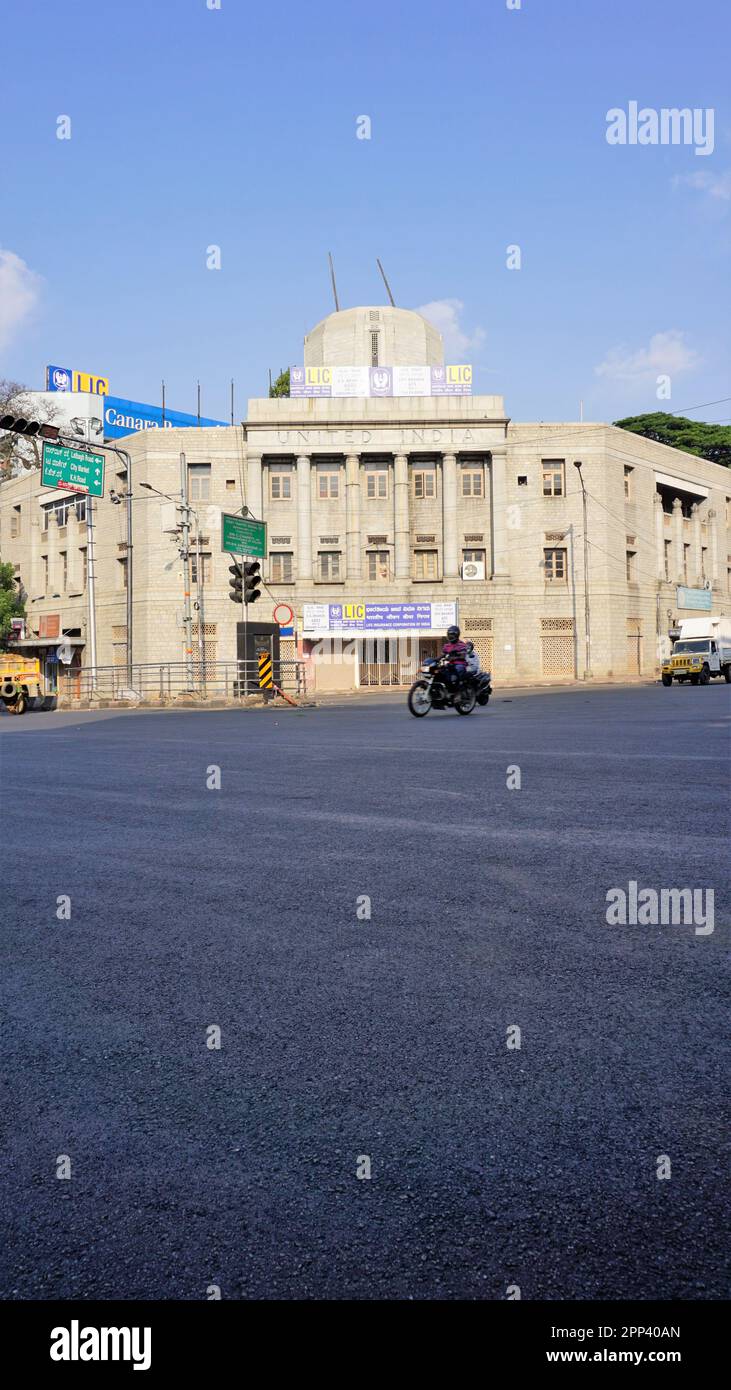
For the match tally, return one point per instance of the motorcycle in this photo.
(484, 688)
(433, 691)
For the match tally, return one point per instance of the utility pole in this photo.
(91, 587)
(587, 614)
(200, 602)
(187, 614)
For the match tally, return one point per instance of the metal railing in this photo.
(165, 680)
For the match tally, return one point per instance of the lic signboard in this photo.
(70, 379)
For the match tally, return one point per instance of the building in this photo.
(386, 514)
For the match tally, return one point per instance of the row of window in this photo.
(282, 481)
(423, 484)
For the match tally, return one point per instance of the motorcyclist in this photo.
(454, 653)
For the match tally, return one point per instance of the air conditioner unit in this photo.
(473, 569)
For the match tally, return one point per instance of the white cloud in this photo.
(715, 185)
(20, 289)
(666, 353)
(445, 314)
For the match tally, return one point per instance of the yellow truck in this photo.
(22, 686)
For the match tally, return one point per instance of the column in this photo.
(695, 569)
(254, 496)
(659, 537)
(677, 565)
(402, 537)
(352, 516)
(499, 513)
(713, 537)
(449, 516)
(304, 518)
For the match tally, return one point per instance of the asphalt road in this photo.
(344, 1037)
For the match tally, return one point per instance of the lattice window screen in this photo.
(119, 645)
(557, 646)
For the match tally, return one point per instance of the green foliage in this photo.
(281, 385)
(694, 436)
(11, 605)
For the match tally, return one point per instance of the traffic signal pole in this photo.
(245, 618)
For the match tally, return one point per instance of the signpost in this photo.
(74, 469)
(241, 535)
(247, 539)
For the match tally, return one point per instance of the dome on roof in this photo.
(378, 336)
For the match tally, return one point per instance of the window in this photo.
(522, 480)
(45, 518)
(553, 477)
(280, 485)
(471, 483)
(554, 565)
(473, 557)
(206, 566)
(62, 510)
(704, 559)
(15, 521)
(230, 484)
(44, 572)
(199, 481)
(631, 566)
(122, 573)
(84, 566)
(64, 558)
(80, 509)
(374, 348)
(329, 564)
(686, 557)
(666, 557)
(628, 484)
(328, 484)
(280, 566)
(378, 564)
(425, 484)
(376, 483)
(425, 564)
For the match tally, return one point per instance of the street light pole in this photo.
(187, 613)
(587, 613)
(91, 586)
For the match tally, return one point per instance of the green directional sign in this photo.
(73, 468)
(241, 535)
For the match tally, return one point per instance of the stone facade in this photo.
(386, 501)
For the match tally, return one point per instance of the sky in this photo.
(198, 124)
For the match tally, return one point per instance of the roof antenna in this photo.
(332, 277)
(385, 281)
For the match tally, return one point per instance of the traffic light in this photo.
(18, 425)
(235, 583)
(252, 580)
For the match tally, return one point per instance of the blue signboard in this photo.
(694, 598)
(335, 618)
(129, 417)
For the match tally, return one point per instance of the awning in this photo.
(48, 641)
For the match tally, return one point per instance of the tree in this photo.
(16, 451)
(711, 442)
(11, 603)
(281, 385)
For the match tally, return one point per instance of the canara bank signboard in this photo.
(336, 619)
(380, 381)
(70, 379)
(129, 417)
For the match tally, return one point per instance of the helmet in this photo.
(470, 647)
(453, 633)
